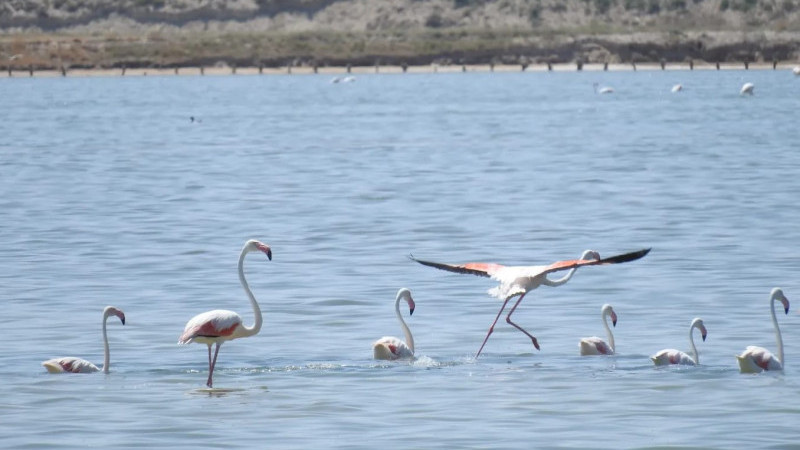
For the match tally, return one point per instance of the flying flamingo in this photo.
(219, 325)
(671, 356)
(71, 364)
(392, 348)
(596, 346)
(756, 359)
(519, 280)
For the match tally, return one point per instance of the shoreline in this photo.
(390, 69)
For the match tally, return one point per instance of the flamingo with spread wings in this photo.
(519, 280)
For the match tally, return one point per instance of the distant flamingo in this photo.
(756, 359)
(672, 356)
(219, 325)
(747, 88)
(392, 348)
(71, 364)
(796, 70)
(519, 280)
(677, 88)
(603, 90)
(596, 346)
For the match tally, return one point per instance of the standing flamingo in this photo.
(219, 325)
(71, 364)
(672, 356)
(756, 359)
(596, 346)
(519, 280)
(392, 348)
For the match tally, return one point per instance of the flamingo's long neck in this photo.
(406, 330)
(569, 274)
(778, 337)
(608, 331)
(106, 354)
(691, 342)
(249, 331)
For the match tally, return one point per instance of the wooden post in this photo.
(123, 70)
(579, 65)
(524, 66)
(63, 71)
(349, 67)
(605, 66)
(233, 69)
(202, 70)
(30, 69)
(404, 66)
(549, 66)
(176, 70)
(261, 68)
(717, 65)
(746, 65)
(634, 66)
(491, 66)
(691, 64)
(663, 64)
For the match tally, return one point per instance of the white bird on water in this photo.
(595, 345)
(672, 356)
(519, 280)
(219, 325)
(392, 348)
(747, 89)
(603, 90)
(757, 359)
(796, 70)
(677, 88)
(71, 364)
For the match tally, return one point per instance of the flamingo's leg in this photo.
(508, 320)
(212, 364)
(491, 328)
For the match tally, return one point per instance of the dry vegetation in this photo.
(175, 33)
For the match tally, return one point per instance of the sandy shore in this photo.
(362, 70)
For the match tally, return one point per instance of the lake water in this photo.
(111, 195)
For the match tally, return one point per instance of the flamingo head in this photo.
(608, 310)
(777, 293)
(405, 294)
(698, 323)
(114, 311)
(590, 255)
(253, 245)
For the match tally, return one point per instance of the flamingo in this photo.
(756, 359)
(747, 88)
(672, 356)
(392, 348)
(219, 325)
(596, 346)
(677, 88)
(519, 280)
(71, 364)
(796, 70)
(603, 90)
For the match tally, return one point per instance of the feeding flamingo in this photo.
(756, 359)
(602, 90)
(71, 364)
(392, 348)
(219, 325)
(596, 346)
(672, 356)
(519, 280)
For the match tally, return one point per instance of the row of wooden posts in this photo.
(404, 66)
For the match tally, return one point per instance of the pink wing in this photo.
(573, 263)
(69, 364)
(490, 269)
(210, 324)
(474, 268)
